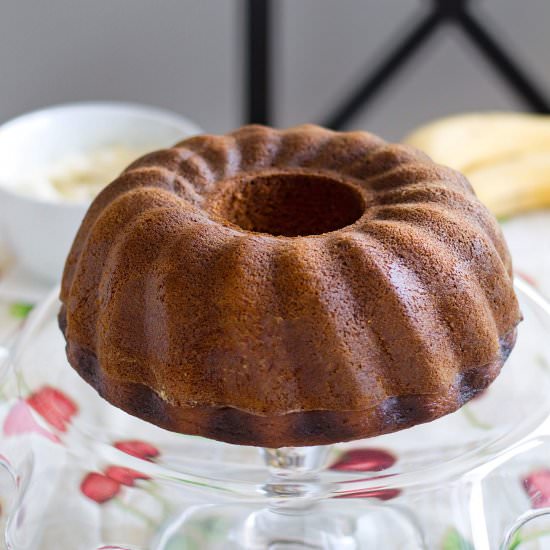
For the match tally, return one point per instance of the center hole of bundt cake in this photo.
(290, 205)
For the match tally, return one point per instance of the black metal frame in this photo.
(259, 61)
(259, 67)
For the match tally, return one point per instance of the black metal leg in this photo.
(258, 53)
(503, 63)
(259, 61)
(383, 72)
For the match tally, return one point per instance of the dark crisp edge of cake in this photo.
(294, 429)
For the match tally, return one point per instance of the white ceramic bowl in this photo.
(40, 232)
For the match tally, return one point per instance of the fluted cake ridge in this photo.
(288, 287)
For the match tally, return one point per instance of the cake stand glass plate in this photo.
(473, 479)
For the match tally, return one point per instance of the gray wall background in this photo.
(187, 55)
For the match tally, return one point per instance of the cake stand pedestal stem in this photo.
(294, 519)
(293, 476)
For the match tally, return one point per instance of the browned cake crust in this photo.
(287, 430)
(286, 288)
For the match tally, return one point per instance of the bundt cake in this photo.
(288, 288)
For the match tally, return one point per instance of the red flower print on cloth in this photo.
(367, 460)
(528, 278)
(364, 460)
(537, 486)
(125, 476)
(99, 488)
(137, 448)
(380, 494)
(21, 421)
(54, 406)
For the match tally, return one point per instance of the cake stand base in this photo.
(330, 525)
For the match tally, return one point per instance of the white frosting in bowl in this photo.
(78, 177)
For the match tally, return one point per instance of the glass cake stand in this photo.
(474, 479)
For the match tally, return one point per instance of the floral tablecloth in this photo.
(102, 495)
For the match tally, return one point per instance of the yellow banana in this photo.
(506, 156)
(516, 185)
